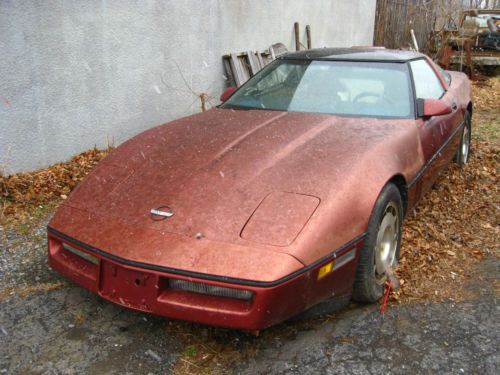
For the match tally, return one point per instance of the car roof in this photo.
(354, 54)
(481, 11)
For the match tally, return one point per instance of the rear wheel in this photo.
(380, 250)
(463, 152)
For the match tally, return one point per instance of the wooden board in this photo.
(236, 69)
(229, 72)
(253, 63)
(240, 67)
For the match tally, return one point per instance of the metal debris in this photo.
(153, 355)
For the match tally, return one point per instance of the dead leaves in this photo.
(21, 193)
(454, 226)
(486, 93)
(457, 223)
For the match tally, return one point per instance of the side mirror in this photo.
(432, 107)
(229, 91)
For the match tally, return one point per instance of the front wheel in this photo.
(462, 156)
(380, 250)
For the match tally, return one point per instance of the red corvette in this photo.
(291, 192)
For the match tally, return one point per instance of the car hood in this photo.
(213, 170)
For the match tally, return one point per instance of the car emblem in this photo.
(161, 213)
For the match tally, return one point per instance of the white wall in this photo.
(76, 73)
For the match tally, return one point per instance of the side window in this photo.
(446, 75)
(427, 84)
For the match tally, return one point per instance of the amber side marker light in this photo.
(337, 263)
(325, 270)
(89, 258)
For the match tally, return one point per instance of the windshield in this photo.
(483, 19)
(332, 87)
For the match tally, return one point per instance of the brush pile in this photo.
(22, 193)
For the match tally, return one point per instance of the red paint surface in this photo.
(279, 218)
(435, 107)
(148, 291)
(216, 171)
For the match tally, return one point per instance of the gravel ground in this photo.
(445, 338)
(50, 326)
(22, 259)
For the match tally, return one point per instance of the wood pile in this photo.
(240, 67)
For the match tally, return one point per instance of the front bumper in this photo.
(146, 287)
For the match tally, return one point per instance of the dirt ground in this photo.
(444, 320)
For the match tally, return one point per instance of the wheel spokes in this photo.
(386, 242)
(465, 145)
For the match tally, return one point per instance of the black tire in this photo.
(463, 152)
(369, 282)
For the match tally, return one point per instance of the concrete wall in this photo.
(74, 74)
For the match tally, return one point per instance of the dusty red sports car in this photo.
(291, 192)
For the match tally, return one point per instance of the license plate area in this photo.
(127, 287)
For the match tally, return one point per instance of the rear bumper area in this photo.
(151, 290)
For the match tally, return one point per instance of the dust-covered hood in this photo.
(214, 169)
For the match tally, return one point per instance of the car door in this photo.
(438, 134)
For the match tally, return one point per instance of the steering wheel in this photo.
(373, 95)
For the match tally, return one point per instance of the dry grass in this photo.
(30, 290)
